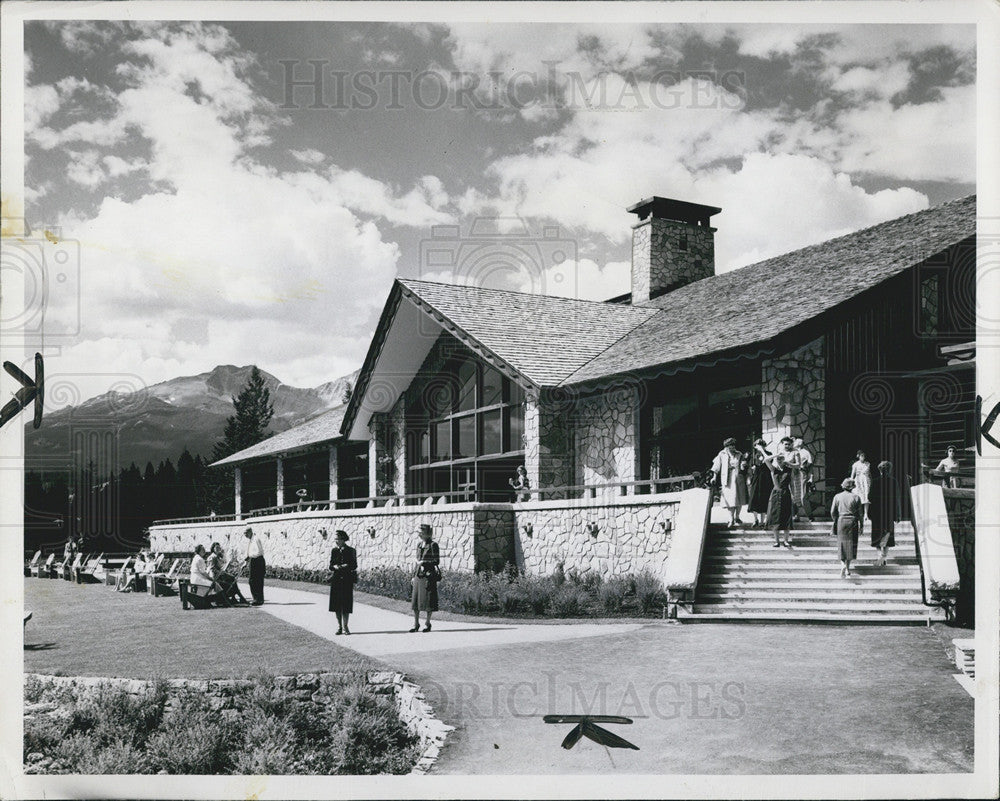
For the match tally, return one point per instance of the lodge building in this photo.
(863, 341)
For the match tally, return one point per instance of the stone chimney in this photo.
(672, 245)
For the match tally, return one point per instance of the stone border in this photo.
(411, 704)
(416, 713)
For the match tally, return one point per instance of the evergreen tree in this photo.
(248, 426)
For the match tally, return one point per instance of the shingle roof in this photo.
(544, 338)
(321, 428)
(756, 303)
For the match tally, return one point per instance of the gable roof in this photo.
(324, 427)
(543, 338)
(754, 304)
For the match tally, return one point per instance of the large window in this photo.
(464, 430)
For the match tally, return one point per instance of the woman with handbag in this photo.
(344, 572)
(426, 575)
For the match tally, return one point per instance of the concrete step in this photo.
(825, 581)
(820, 618)
(793, 569)
(903, 527)
(792, 556)
(821, 587)
(816, 537)
(817, 595)
(810, 605)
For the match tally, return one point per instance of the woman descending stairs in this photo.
(744, 578)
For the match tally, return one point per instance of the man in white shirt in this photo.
(255, 558)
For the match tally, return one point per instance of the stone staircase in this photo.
(744, 578)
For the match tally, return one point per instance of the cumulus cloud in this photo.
(287, 268)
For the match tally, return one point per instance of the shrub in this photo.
(649, 592)
(559, 574)
(569, 600)
(612, 593)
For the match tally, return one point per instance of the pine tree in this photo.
(248, 426)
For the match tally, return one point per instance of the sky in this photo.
(216, 214)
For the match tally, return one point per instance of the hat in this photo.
(425, 529)
(728, 441)
(248, 532)
(341, 534)
(787, 439)
(884, 465)
(847, 483)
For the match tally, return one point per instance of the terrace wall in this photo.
(610, 536)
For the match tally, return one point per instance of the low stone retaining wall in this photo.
(608, 536)
(472, 536)
(414, 711)
(621, 536)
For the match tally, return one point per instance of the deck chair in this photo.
(33, 563)
(140, 579)
(57, 569)
(167, 584)
(43, 570)
(200, 597)
(77, 562)
(166, 568)
(85, 573)
(113, 575)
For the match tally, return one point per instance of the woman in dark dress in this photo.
(344, 567)
(426, 574)
(761, 485)
(883, 510)
(779, 506)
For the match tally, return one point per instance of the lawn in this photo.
(90, 630)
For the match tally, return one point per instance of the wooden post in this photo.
(333, 473)
(280, 482)
(238, 484)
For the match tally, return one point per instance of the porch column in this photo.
(238, 498)
(374, 451)
(280, 476)
(333, 472)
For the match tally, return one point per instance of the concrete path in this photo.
(379, 632)
(723, 699)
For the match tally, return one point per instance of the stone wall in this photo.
(619, 537)
(548, 441)
(471, 536)
(658, 260)
(604, 438)
(414, 711)
(612, 536)
(792, 402)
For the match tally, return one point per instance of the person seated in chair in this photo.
(227, 581)
(202, 588)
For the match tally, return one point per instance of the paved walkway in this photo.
(724, 699)
(379, 632)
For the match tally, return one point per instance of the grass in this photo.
(264, 731)
(90, 630)
(508, 594)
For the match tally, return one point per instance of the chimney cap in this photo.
(670, 209)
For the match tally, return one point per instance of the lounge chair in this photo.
(43, 570)
(86, 573)
(115, 574)
(58, 568)
(140, 579)
(201, 597)
(78, 561)
(33, 563)
(160, 584)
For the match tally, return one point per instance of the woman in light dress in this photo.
(861, 473)
(846, 515)
(729, 469)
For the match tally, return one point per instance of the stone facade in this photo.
(604, 439)
(667, 254)
(548, 441)
(620, 537)
(471, 536)
(387, 451)
(793, 404)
